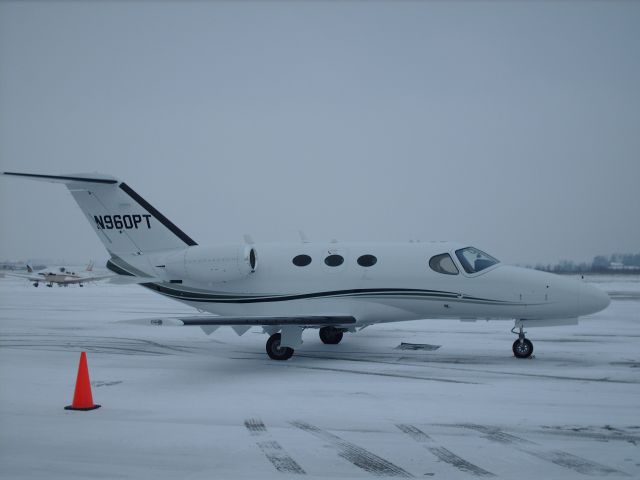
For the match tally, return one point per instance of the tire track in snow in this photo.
(445, 364)
(606, 433)
(381, 374)
(358, 456)
(113, 345)
(557, 457)
(442, 453)
(272, 449)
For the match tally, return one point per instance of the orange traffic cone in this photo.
(82, 398)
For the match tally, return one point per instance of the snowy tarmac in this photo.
(177, 404)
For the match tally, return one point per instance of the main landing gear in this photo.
(330, 335)
(275, 351)
(522, 347)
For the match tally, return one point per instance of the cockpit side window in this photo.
(443, 264)
(474, 260)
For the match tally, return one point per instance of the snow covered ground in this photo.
(177, 404)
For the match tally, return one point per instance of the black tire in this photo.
(330, 335)
(275, 351)
(522, 349)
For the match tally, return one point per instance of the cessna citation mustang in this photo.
(335, 287)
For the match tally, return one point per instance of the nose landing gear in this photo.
(522, 347)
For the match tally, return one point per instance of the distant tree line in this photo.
(614, 263)
(9, 265)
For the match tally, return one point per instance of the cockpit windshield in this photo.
(443, 263)
(474, 260)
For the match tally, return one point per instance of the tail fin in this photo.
(124, 221)
(89, 266)
(29, 268)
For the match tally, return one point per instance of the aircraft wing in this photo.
(33, 278)
(302, 321)
(250, 321)
(110, 278)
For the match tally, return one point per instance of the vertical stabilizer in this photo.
(124, 221)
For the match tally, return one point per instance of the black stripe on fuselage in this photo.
(365, 292)
(157, 215)
(60, 177)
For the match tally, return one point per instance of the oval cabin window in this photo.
(334, 260)
(301, 260)
(367, 261)
(252, 260)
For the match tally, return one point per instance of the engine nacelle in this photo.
(212, 264)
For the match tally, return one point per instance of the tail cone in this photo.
(82, 398)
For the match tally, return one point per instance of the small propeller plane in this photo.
(333, 287)
(63, 277)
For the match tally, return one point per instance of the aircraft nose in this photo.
(592, 299)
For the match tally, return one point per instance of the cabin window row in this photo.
(471, 259)
(335, 260)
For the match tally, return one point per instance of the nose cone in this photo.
(592, 299)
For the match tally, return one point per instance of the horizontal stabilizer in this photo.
(67, 179)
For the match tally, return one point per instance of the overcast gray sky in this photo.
(513, 126)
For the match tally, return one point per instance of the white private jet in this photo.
(335, 287)
(63, 277)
